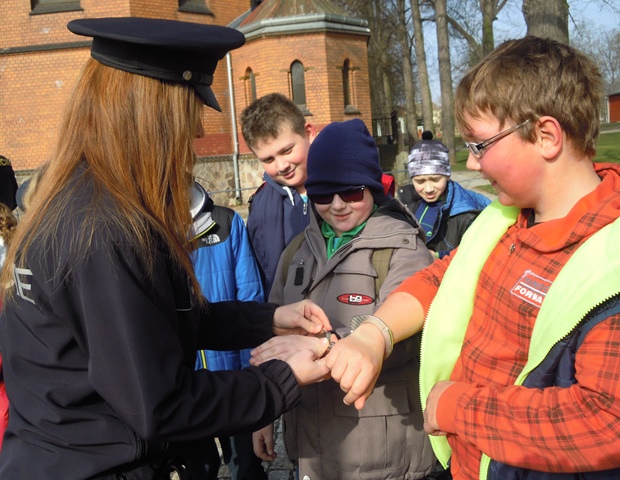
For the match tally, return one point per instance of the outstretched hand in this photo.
(302, 318)
(355, 363)
(282, 347)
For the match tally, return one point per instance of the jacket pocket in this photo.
(375, 442)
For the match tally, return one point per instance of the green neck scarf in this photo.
(333, 242)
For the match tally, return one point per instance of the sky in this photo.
(511, 24)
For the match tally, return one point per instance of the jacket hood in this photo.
(282, 190)
(463, 200)
(201, 207)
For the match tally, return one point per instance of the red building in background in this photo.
(308, 50)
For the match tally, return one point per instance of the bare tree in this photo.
(384, 56)
(489, 9)
(445, 78)
(423, 77)
(410, 107)
(548, 19)
(603, 47)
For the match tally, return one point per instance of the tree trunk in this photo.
(548, 19)
(411, 112)
(487, 8)
(445, 79)
(423, 77)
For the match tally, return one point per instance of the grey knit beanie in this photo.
(429, 157)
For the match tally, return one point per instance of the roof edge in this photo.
(306, 23)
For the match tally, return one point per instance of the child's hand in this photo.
(262, 442)
(355, 363)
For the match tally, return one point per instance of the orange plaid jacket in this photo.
(553, 429)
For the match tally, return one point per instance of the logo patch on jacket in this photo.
(211, 239)
(531, 288)
(355, 299)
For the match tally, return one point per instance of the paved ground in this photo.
(280, 469)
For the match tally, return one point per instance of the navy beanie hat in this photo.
(344, 155)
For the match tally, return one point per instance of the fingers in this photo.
(281, 348)
(318, 318)
(320, 348)
(355, 369)
(262, 444)
(307, 365)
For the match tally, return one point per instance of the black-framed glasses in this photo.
(478, 148)
(354, 194)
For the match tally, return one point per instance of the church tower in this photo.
(310, 51)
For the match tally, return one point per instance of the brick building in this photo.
(308, 50)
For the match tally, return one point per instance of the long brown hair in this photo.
(134, 136)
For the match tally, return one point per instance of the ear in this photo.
(549, 137)
(310, 131)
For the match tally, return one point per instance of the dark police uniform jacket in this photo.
(99, 357)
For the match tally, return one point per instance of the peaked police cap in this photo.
(169, 50)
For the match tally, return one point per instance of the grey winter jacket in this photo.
(327, 438)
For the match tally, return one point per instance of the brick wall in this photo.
(323, 56)
(40, 61)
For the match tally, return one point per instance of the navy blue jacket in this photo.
(558, 369)
(277, 214)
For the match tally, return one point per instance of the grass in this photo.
(607, 148)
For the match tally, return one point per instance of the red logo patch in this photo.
(531, 288)
(355, 299)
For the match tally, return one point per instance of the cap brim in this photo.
(207, 96)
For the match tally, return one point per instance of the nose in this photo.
(281, 164)
(472, 162)
(338, 203)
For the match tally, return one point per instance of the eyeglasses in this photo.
(354, 194)
(478, 148)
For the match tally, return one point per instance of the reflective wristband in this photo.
(357, 320)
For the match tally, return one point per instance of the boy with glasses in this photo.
(337, 266)
(526, 312)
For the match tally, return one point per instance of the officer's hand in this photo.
(301, 318)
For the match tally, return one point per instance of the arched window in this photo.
(346, 86)
(250, 85)
(298, 84)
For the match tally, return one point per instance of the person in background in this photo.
(277, 132)
(8, 183)
(28, 188)
(8, 224)
(359, 246)
(226, 269)
(102, 312)
(444, 208)
(526, 312)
